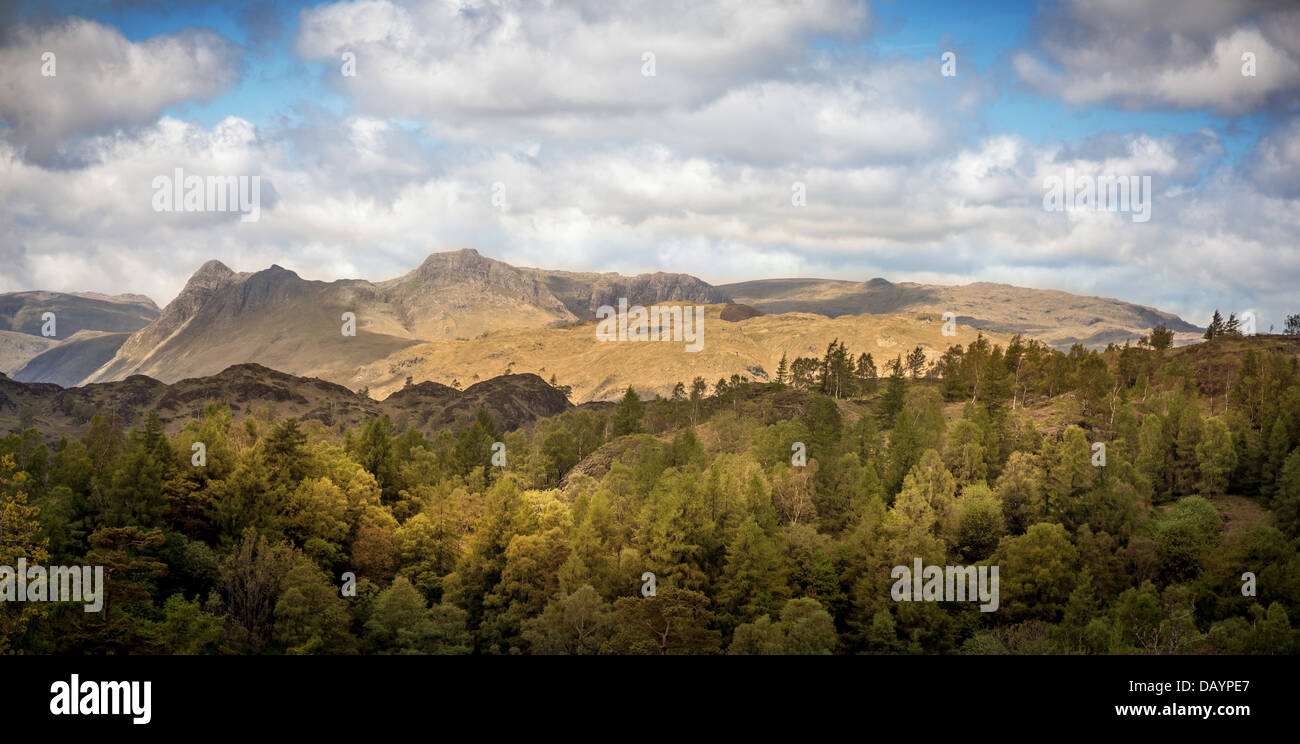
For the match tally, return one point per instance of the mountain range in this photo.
(461, 317)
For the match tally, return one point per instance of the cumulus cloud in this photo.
(101, 80)
(370, 203)
(691, 170)
(521, 74)
(444, 59)
(1167, 53)
(1275, 164)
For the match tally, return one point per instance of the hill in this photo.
(512, 401)
(596, 370)
(75, 314)
(1059, 319)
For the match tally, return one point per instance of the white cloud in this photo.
(451, 59)
(102, 80)
(371, 206)
(1167, 53)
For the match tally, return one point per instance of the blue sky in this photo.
(910, 174)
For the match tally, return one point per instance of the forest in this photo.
(294, 537)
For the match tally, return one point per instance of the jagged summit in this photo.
(276, 318)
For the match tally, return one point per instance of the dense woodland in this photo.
(984, 455)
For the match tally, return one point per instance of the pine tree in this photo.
(916, 361)
(1216, 326)
(627, 419)
(867, 374)
(895, 391)
(1232, 326)
(1216, 457)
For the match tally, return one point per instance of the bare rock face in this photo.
(584, 293)
(211, 278)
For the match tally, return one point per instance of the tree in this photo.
(1216, 456)
(867, 374)
(674, 621)
(474, 445)
(373, 450)
(1215, 328)
(803, 372)
(895, 391)
(1161, 338)
(627, 419)
(782, 370)
(1232, 326)
(1292, 325)
(915, 362)
(1019, 488)
(980, 524)
(310, 616)
(402, 623)
(753, 581)
(185, 628)
(1287, 497)
(578, 623)
(804, 629)
(1037, 572)
(250, 582)
(1186, 534)
(698, 388)
(926, 505)
(20, 539)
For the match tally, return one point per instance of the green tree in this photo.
(20, 538)
(310, 616)
(578, 623)
(1036, 573)
(402, 623)
(1216, 457)
(627, 419)
(674, 621)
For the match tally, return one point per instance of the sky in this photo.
(916, 141)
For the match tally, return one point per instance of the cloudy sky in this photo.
(909, 173)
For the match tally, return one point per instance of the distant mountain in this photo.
(584, 293)
(17, 349)
(1060, 319)
(512, 401)
(271, 317)
(70, 362)
(275, 318)
(507, 314)
(22, 319)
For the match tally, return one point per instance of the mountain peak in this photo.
(213, 268)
